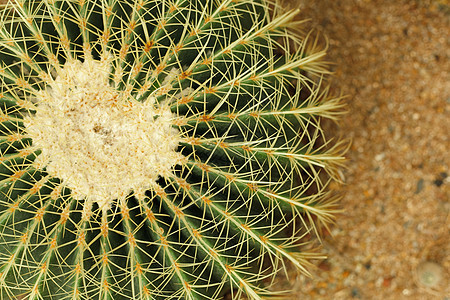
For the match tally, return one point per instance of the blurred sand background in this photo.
(392, 60)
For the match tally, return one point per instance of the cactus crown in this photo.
(158, 149)
(93, 127)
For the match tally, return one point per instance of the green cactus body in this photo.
(158, 149)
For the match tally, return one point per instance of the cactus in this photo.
(159, 149)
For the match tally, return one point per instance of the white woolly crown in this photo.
(100, 143)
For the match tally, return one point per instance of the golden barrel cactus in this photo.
(159, 149)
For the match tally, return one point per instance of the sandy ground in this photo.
(392, 60)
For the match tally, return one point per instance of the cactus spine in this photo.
(158, 149)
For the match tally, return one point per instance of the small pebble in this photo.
(438, 182)
(440, 179)
(419, 186)
(429, 274)
(356, 293)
